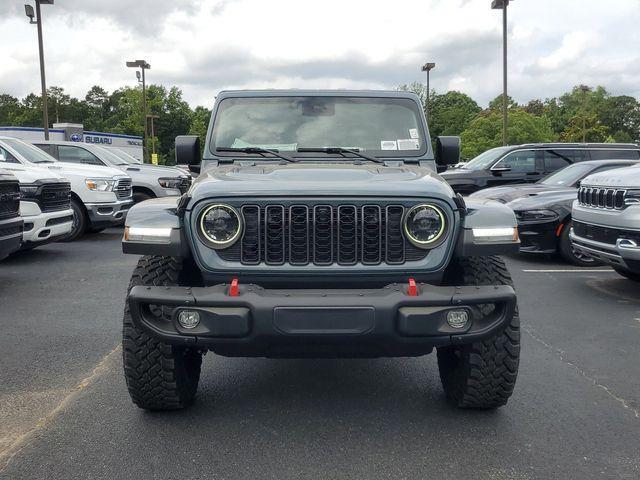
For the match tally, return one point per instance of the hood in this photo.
(321, 180)
(619, 177)
(509, 193)
(26, 174)
(86, 171)
(159, 171)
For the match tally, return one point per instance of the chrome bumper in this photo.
(106, 214)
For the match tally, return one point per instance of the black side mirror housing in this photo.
(188, 150)
(447, 151)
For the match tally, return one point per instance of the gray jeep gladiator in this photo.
(319, 227)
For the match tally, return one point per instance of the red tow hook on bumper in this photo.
(234, 288)
(412, 291)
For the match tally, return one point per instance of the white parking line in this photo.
(573, 270)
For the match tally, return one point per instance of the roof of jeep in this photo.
(317, 93)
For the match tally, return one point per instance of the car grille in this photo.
(123, 188)
(10, 231)
(601, 197)
(9, 199)
(55, 196)
(604, 234)
(323, 234)
(185, 183)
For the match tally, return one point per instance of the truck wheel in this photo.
(159, 376)
(80, 221)
(482, 374)
(572, 256)
(627, 274)
(140, 197)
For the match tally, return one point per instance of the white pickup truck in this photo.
(100, 196)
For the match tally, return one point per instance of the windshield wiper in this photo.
(340, 151)
(258, 150)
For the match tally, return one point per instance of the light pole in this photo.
(427, 67)
(502, 5)
(28, 10)
(142, 65)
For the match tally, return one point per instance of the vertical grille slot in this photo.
(371, 234)
(347, 235)
(274, 234)
(393, 235)
(323, 235)
(10, 191)
(250, 253)
(609, 198)
(299, 235)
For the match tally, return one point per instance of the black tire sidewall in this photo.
(80, 221)
(566, 250)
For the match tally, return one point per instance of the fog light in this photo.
(457, 318)
(188, 318)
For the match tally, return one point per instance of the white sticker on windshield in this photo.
(388, 145)
(413, 133)
(408, 144)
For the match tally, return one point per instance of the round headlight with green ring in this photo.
(425, 225)
(220, 226)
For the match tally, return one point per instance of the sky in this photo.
(205, 46)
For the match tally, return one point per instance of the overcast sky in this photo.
(204, 46)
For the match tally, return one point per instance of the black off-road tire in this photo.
(80, 221)
(570, 255)
(141, 197)
(627, 274)
(481, 375)
(159, 376)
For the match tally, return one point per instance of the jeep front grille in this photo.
(123, 188)
(601, 197)
(55, 196)
(9, 199)
(322, 234)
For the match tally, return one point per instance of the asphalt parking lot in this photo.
(65, 412)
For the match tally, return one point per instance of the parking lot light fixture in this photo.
(28, 10)
(502, 5)
(427, 67)
(143, 66)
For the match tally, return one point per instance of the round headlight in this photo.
(220, 225)
(424, 225)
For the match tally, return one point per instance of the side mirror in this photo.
(497, 171)
(188, 150)
(447, 151)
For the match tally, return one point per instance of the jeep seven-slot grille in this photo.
(322, 234)
(55, 196)
(602, 197)
(9, 199)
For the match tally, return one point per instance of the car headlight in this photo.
(100, 184)
(425, 225)
(632, 197)
(170, 182)
(536, 215)
(220, 226)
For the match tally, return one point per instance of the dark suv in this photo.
(318, 227)
(529, 163)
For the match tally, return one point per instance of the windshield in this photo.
(383, 127)
(485, 159)
(29, 152)
(109, 157)
(567, 176)
(125, 157)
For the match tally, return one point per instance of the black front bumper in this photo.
(10, 235)
(539, 237)
(321, 323)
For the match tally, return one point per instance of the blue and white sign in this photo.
(76, 137)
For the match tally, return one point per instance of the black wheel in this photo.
(80, 221)
(482, 374)
(140, 197)
(159, 376)
(627, 274)
(570, 254)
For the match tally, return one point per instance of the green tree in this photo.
(584, 128)
(485, 131)
(200, 123)
(10, 110)
(97, 105)
(496, 103)
(451, 113)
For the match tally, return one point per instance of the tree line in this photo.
(583, 114)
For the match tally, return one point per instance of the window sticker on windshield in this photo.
(413, 133)
(388, 145)
(408, 144)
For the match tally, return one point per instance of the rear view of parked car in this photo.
(606, 220)
(530, 163)
(149, 181)
(100, 196)
(543, 209)
(10, 221)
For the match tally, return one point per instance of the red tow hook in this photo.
(234, 288)
(412, 291)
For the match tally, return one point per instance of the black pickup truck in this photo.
(10, 221)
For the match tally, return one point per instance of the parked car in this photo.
(149, 181)
(606, 220)
(285, 247)
(530, 163)
(10, 221)
(543, 209)
(45, 204)
(100, 196)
